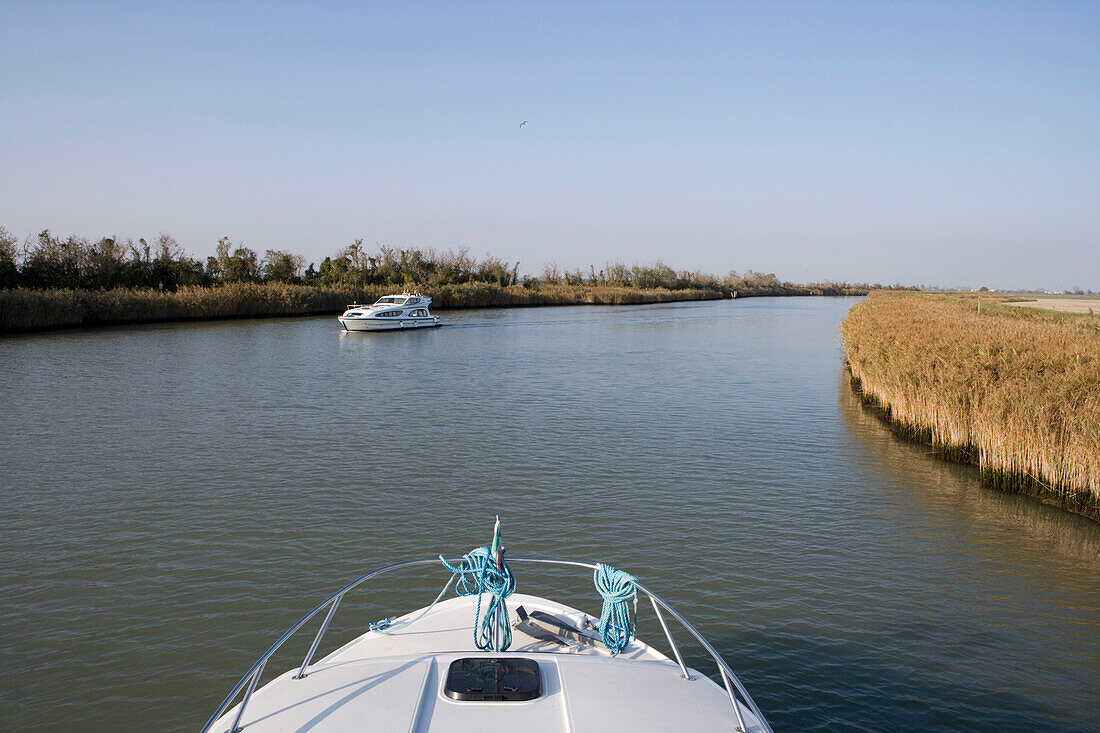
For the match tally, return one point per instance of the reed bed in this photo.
(23, 309)
(1017, 395)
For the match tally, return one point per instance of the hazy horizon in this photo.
(939, 144)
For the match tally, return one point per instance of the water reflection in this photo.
(992, 564)
(951, 495)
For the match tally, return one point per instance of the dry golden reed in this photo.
(1017, 394)
(23, 309)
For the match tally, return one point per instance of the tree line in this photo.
(660, 275)
(49, 261)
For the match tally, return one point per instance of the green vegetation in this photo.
(1015, 391)
(50, 282)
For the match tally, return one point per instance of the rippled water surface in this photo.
(175, 496)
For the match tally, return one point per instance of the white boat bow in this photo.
(400, 677)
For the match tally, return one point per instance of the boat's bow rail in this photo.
(248, 682)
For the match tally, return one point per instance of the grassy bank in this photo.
(22, 309)
(1016, 392)
(55, 282)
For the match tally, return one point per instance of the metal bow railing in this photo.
(733, 685)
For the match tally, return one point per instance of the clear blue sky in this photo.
(941, 143)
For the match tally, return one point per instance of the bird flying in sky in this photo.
(523, 123)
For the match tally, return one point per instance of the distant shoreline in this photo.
(24, 310)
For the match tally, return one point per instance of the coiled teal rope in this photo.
(616, 620)
(478, 573)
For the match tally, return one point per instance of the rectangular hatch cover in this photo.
(497, 679)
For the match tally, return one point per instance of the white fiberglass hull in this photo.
(387, 324)
(394, 681)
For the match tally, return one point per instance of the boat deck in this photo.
(394, 681)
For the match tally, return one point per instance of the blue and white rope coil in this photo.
(478, 573)
(616, 620)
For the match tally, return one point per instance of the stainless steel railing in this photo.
(252, 677)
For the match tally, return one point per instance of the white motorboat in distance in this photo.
(390, 313)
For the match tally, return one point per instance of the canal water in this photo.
(175, 496)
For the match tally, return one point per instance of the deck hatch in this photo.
(496, 679)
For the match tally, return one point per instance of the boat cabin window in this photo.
(388, 314)
(418, 313)
(387, 299)
(412, 301)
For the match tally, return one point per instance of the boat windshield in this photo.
(389, 299)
